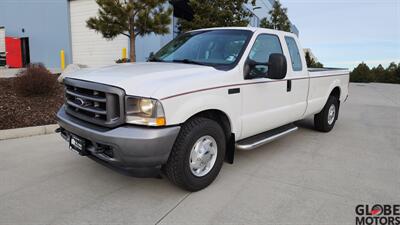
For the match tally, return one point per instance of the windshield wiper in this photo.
(188, 61)
(153, 59)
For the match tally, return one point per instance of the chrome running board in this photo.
(266, 137)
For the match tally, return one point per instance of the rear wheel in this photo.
(197, 155)
(326, 119)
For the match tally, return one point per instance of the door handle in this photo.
(233, 91)
(289, 86)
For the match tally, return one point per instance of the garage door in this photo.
(88, 46)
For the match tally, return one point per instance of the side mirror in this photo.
(253, 69)
(277, 66)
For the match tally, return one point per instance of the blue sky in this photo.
(343, 33)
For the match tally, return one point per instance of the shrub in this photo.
(123, 60)
(35, 80)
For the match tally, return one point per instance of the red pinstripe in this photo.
(243, 84)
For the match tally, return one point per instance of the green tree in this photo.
(378, 74)
(131, 18)
(318, 65)
(393, 73)
(397, 73)
(311, 62)
(361, 73)
(278, 18)
(216, 13)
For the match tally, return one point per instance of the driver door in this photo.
(266, 102)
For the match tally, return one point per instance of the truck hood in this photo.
(141, 79)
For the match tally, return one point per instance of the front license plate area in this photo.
(77, 144)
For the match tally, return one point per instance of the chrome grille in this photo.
(93, 102)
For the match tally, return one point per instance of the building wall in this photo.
(294, 29)
(90, 48)
(261, 10)
(2, 40)
(45, 22)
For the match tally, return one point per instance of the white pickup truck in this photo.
(203, 95)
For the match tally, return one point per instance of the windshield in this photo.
(213, 47)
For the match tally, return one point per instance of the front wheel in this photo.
(326, 119)
(197, 155)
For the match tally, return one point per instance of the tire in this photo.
(179, 167)
(324, 121)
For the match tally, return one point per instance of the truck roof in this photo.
(253, 29)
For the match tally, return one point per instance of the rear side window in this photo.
(294, 54)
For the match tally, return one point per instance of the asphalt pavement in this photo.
(307, 177)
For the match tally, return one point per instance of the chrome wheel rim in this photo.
(203, 156)
(331, 114)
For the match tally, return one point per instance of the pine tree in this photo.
(131, 18)
(361, 73)
(311, 62)
(378, 74)
(216, 13)
(278, 20)
(391, 73)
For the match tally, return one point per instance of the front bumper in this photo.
(133, 147)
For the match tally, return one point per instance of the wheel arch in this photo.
(224, 121)
(217, 115)
(336, 92)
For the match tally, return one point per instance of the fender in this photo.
(178, 110)
(333, 85)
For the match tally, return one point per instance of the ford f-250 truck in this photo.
(205, 94)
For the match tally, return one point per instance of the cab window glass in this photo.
(214, 47)
(263, 47)
(294, 54)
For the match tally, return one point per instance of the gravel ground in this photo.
(18, 111)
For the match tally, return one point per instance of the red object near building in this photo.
(13, 52)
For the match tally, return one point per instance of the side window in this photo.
(294, 54)
(263, 47)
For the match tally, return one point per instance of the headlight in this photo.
(144, 111)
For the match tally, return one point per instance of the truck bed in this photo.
(327, 70)
(319, 72)
(322, 81)
(316, 72)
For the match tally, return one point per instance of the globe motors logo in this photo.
(377, 214)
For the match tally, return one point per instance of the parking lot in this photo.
(304, 178)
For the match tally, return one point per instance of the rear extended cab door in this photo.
(297, 76)
(269, 103)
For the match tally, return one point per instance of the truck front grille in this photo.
(96, 103)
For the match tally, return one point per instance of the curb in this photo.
(27, 131)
